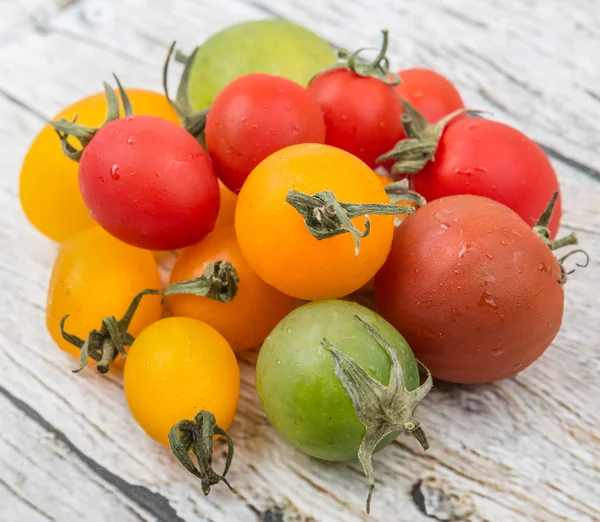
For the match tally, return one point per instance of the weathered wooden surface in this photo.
(523, 449)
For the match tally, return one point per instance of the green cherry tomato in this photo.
(276, 47)
(297, 384)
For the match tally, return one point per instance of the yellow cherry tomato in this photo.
(49, 184)
(97, 276)
(176, 368)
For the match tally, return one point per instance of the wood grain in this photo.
(523, 449)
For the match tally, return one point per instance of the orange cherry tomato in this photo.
(254, 311)
(49, 183)
(97, 276)
(275, 240)
(227, 206)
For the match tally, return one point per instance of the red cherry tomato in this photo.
(472, 288)
(488, 158)
(362, 114)
(255, 116)
(432, 94)
(148, 182)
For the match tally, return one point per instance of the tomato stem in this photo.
(400, 191)
(193, 121)
(326, 217)
(381, 409)
(414, 152)
(379, 68)
(105, 344)
(197, 436)
(542, 230)
(65, 128)
(219, 282)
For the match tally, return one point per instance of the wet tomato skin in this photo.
(472, 289)
(491, 159)
(149, 183)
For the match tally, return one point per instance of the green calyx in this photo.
(379, 68)
(326, 217)
(414, 152)
(219, 282)
(381, 409)
(193, 121)
(197, 437)
(105, 344)
(541, 229)
(66, 129)
(400, 191)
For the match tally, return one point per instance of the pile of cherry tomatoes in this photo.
(289, 189)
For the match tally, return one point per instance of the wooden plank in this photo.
(523, 449)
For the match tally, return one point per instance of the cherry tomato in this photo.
(256, 308)
(97, 276)
(275, 240)
(362, 114)
(472, 288)
(305, 378)
(488, 158)
(253, 117)
(274, 47)
(49, 186)
(432, 94)
(149, 183)
(228, 201)
(177, 367)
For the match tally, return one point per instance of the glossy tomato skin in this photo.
(255, 116)
(472, 289)
(362, 115)
(149, 183)
(273, 236)
(96, 276)
(432, 94)
(491, 159)
(297, 385)
(175, 368)
(49, 185)
(272, 46)
(254, 311)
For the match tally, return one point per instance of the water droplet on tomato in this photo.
(497, 351)
(289, 330)
(487, 300)
(243, 120)
(513, 231)
(114, 172)
(441, 336)
(487, 280)
(544, 267)
(278, 361)
(490, 256)
(416, 271)
(288, 106)
(157, 174)
(472, 126)
(481, 170)
(254, 126)
(427, 333)
(131, 140)
(464, 248)
(417, 94)
(494, 187)
(344, 117)
(519, 271)
(517, 366)
(445, 226)
(502, 242)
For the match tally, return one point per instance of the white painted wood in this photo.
(524, 449)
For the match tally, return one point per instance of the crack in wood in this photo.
(153, 503)
(23, 105)
(26, 502)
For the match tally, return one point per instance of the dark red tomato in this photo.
(149, 183)
(472, 288)
(488, 158)
(432, 94)
(362, 114)
(255, 116)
